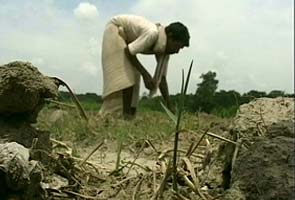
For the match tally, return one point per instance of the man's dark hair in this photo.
(178, 32)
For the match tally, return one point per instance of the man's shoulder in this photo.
(129, 16)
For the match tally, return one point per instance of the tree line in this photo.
(205, 99)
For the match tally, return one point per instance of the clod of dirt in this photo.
(265, 171)
(23, 90)
(19, 177)
(255, 118)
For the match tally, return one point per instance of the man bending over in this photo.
(125, 36)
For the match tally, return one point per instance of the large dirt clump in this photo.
(263, 166)
(23, 90)
(265, 171)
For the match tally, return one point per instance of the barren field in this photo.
(49, 150)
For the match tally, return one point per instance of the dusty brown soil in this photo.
(266, 170)
(23, 90)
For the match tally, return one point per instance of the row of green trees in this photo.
(87, 97)
(206, 98)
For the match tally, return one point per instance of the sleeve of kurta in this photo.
(143, 42)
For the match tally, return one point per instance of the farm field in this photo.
(53, 149)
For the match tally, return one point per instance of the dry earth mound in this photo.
(263, 166)
(23, 90)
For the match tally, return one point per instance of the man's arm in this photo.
(147, 78)
(165, 93)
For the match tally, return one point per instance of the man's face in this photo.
(173, 46)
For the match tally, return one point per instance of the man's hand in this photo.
(148, 81)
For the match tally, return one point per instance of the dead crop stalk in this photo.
(74, 97)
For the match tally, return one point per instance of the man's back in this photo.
(134, 26)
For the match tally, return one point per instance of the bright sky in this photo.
(249, 43)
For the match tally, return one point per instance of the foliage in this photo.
(150, 104)
(227, 112)
(276, 93)
(89, 101)
(204, 97)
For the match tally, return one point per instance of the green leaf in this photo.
(182, 82)
(169, 113)
(188, 77)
